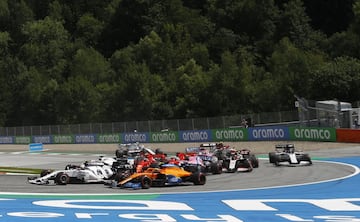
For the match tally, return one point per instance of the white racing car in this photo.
(285, 154)
(93, 171)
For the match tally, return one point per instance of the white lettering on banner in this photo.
(145, 205)
(268, 133)
(85, 139)
(193, 136)
(312, 133)
(327, 204)
(6, 139)
(35, 214)
(41, 139)
(149, 217)
(23, 139)
(164, 137)
(135, 137)
(62, 139)
(229, 134)
(225, 218)
(109, 138)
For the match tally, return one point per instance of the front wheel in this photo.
(272, 157)
(254, 161)
(62, 179)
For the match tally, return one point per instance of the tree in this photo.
(330, 16)
(291, 68)
(88, 30)
(189, 88)
(91, 65)
(46, 47)
(77, 101)
(338, 79)
(295, 25)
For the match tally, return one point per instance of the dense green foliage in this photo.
(66, 61)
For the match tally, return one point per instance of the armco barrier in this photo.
(348, 135)
(273, 133)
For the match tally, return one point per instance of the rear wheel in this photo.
(216, 168)
(199, 178)
(145, 182)
(62, 179)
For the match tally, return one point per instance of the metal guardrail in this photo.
(273, 118)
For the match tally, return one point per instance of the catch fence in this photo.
(253, 120)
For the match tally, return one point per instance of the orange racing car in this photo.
(166, 175)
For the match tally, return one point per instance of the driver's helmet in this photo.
(232, 151)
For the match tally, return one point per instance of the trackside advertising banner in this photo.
(268, 133)
(85, 138)
(233, 134)
(135, 137)
(108, 138)
(313, 134)
(22, 139)
(63, 139)
(42, 139)
(164, 137)
(226, 134)
(6, 139)
(195, 136)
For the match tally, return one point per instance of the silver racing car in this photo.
(285, 154)
(93, 171)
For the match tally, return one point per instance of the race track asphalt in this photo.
(266, 175)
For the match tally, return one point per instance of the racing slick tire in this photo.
(146, 182)
(272, 157)
(248, 164)
(62, 179)
(277, 160)
(254, 161)
(216, 168)
(198, 178)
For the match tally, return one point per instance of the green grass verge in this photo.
(19, 170)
